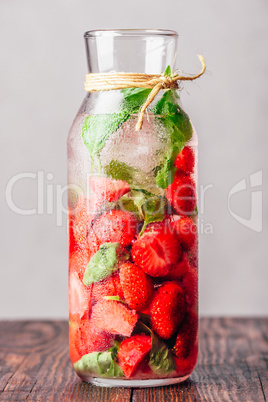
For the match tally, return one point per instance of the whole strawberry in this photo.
(185, 160)
(186, 230)
(115, 227)
(187, 335)
(157, 250)
(110, 286)
(182, 194)
(179, 269)
(137, 286)
(167, 309)
(106, 189)
(189, 283)
(185, 366)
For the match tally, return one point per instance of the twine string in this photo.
(111, 81)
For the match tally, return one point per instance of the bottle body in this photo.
(133, 271)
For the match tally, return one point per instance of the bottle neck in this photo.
(130, 51)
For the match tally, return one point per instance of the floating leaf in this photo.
(102, 264)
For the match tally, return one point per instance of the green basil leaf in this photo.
(177, 123)
(102, 264)
(173, 117)
(161, 360)
(97, 128)
(134, 98)
(154, 211)
(114, 349)
(116, 298)
(120, 171)
(91, 363)
(114, 370)
(164, 174)
(126, 203)
(151, 207)
(167, 71)
(99, 363)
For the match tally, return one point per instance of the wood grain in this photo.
(233, 365)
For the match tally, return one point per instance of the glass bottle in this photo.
(133, 263)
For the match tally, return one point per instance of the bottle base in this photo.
(110, 382)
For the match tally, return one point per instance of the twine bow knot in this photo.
(168, 82)
(110, 81)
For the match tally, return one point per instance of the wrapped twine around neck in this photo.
(110, 81)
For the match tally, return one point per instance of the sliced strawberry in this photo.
(116, 226)
(71, 232)
(74, 353)
(157, 250)
(187, 335)
(80, 301)
(180, 269)
(132, 351)
(185, 160)
(85, 338)
(84, 214)
(182, 194)
(187, 232)
(189, 283)
(78, 261)
(186, 366)
(106, 189)
(114, 317)
(137, 286)
(167, 309)
(93, 243)
(107, 287)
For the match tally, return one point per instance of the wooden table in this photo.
(233, 365)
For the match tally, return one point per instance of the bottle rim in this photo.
(130, 33)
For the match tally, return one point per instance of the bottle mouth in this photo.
(130, 33)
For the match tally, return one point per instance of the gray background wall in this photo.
(42, 72)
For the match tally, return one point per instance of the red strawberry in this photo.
(185, 160)
(79, 298)
(132, 351)
(187, 335)
(107, 189)
(137, 286)
(186, 229)
(157, 250)
(181, 194)
(84, 339)
(78, 262)
(84, 214)
(185, 366)
(167, 309)
(180, 269)
(116, 226)
(93, 243)
(114, 317)
(71, 232)
(74, 353)
(189, 283)
(107, 287)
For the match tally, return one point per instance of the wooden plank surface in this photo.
(233, 365)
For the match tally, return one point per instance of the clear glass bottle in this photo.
(133, 281)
